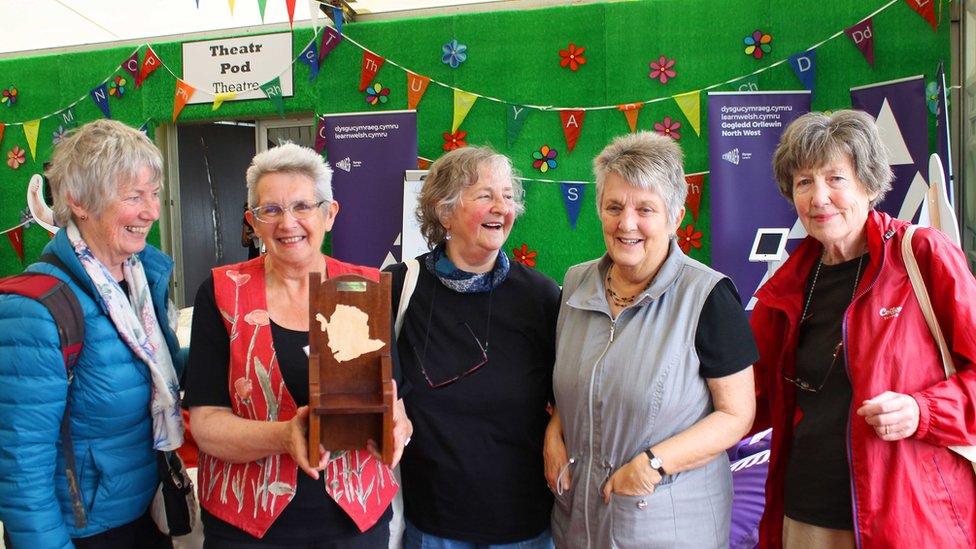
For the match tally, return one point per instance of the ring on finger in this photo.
(887, 430)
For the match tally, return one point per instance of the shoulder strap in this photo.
(409, 285)
(922, 294)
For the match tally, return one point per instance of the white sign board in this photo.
(412, 242)
(238, 65)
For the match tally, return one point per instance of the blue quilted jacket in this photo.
(110, 422)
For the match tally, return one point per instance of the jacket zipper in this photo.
(589, 464)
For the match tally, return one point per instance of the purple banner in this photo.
(750, 467)
(369, 153)
(743, 131)
(899, 107)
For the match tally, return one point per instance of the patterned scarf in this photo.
(464, 282)
(138, 327)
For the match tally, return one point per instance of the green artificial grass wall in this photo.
(512, 56)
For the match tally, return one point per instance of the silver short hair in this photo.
(449, 175)
(92, 163)
(815, 138)
(647, 161)
(290, 158)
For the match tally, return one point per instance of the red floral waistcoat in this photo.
(260, 490)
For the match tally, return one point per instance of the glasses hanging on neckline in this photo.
(804, 385)
(300, 209)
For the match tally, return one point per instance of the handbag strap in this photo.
(409, 285)
(922, 294)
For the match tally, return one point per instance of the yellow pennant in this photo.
(231, 4)
(690, 104)
(463, 101)
(30, 131)
(221, 97)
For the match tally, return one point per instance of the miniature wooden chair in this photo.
(350, 385)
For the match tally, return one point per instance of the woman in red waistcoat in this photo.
(247, 381)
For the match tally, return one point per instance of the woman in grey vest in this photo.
(653, 378)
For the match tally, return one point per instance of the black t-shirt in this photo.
(312, 516)
(724, 340)
(474, 471)
(817, 486)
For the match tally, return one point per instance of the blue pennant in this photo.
(573, 200)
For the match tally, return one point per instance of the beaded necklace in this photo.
(619, 300)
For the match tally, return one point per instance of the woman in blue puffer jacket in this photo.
(123, 401)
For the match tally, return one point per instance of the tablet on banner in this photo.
(238, 65)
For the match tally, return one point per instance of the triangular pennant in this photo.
(696, 183)
(310, 56)
(862, 35)
(573, 200)
(463, 101)
(572, 126)
(68, 119)
(423, 163)
(2, 128)
(330, 39)
(515, 116)
(30, 132)
(272, 90)
(290, 4)
(925, 8)
(805, 66)
(131, 65)
(337, 17)
(747, 84)
(898, 153)
(149, 64)
(16, 237)
(100, 96)
(183, 94)
(221, 97)
(416, 87)
(320, 135)
(690, 105)
(144, 128)
(631, 111)
(314, 14)
(262, 5)
(230, 4)
(371, 66)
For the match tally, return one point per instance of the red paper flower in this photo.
(524, 255)
(16, 157)
(668, 128)
(662, 69)
(688, 238)
(572, 57)
(455, 140)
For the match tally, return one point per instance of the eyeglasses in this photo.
(269, 213)
(807, 386)
(457, 377)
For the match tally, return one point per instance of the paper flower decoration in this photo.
(668, 128)
(9, 97)
(524, 255)
(58, 135)
(116, 87)
(932, 97)
(545, 159)
(572, 57)
(377, 94)
(455, 140)
(688, 238)
(454, 53)
(16, 157)
(662, 69)
(757, 44)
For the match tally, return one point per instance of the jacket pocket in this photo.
(941, 473)
(643, 521)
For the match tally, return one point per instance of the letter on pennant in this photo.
(371, 65)
(463, 101)
(131, 65)
(310, 56)
(695, 182)
(416, 88)
(573, 200)
(30, 132)
(690, 105)
(515, 116)
(149, 64)
(272, 90)
(100, 96)
(572, 126)
(330, 39)
(805, 66)
(925, 8)
(631, 111)
(862, 35)
(320, 133)
(16, 237)
(68, 119)
(183, 94)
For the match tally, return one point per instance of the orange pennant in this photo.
(416, 87)
(184, 92)
(631, 110)
(150, 63)
(371, 65)
(695, 182)
(572, 126)
(925, 8)
(2, 127)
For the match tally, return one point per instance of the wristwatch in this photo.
(656, 462)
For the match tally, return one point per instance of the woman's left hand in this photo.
(894, 416)
(635, 478)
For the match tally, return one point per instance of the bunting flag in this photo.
(272, 90)
(2, 128)
(310, 56)
(30, 132)
(183, 94)
(416, 88)
(690, 105)
(337, 17)
(230, 4)
(144, 128)
(150, 63)
(100, 96)
(262, 5)
(68, 119)
(371, 66)
(221, 97)
(131, 65)
(925, 8)
(463, 101)
(747, 84)
(423, 163)
(515, 116)
(16, 237)
(631, 111)
(695, 184)
(290, 4)
(330, 39)
(572, 126)
(805, 66)
(862, 35)
(320, 135)
(573, 200)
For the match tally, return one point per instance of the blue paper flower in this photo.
(58, 135)
(932, 97)
(454, 53)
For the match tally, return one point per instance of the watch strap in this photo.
(655, 462)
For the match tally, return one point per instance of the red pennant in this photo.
(695, 184)
(423, 163)
(149, 64)
(925, 8)
(371, 66)
(572, 126)
(862, 35)
(290, 4)
(16, 237)
(2, 127)
(416, 87)
(631, 110)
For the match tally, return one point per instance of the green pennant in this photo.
(747, 84)
(515, 116)
(262, 4)
(68, 119)
(273, 90)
